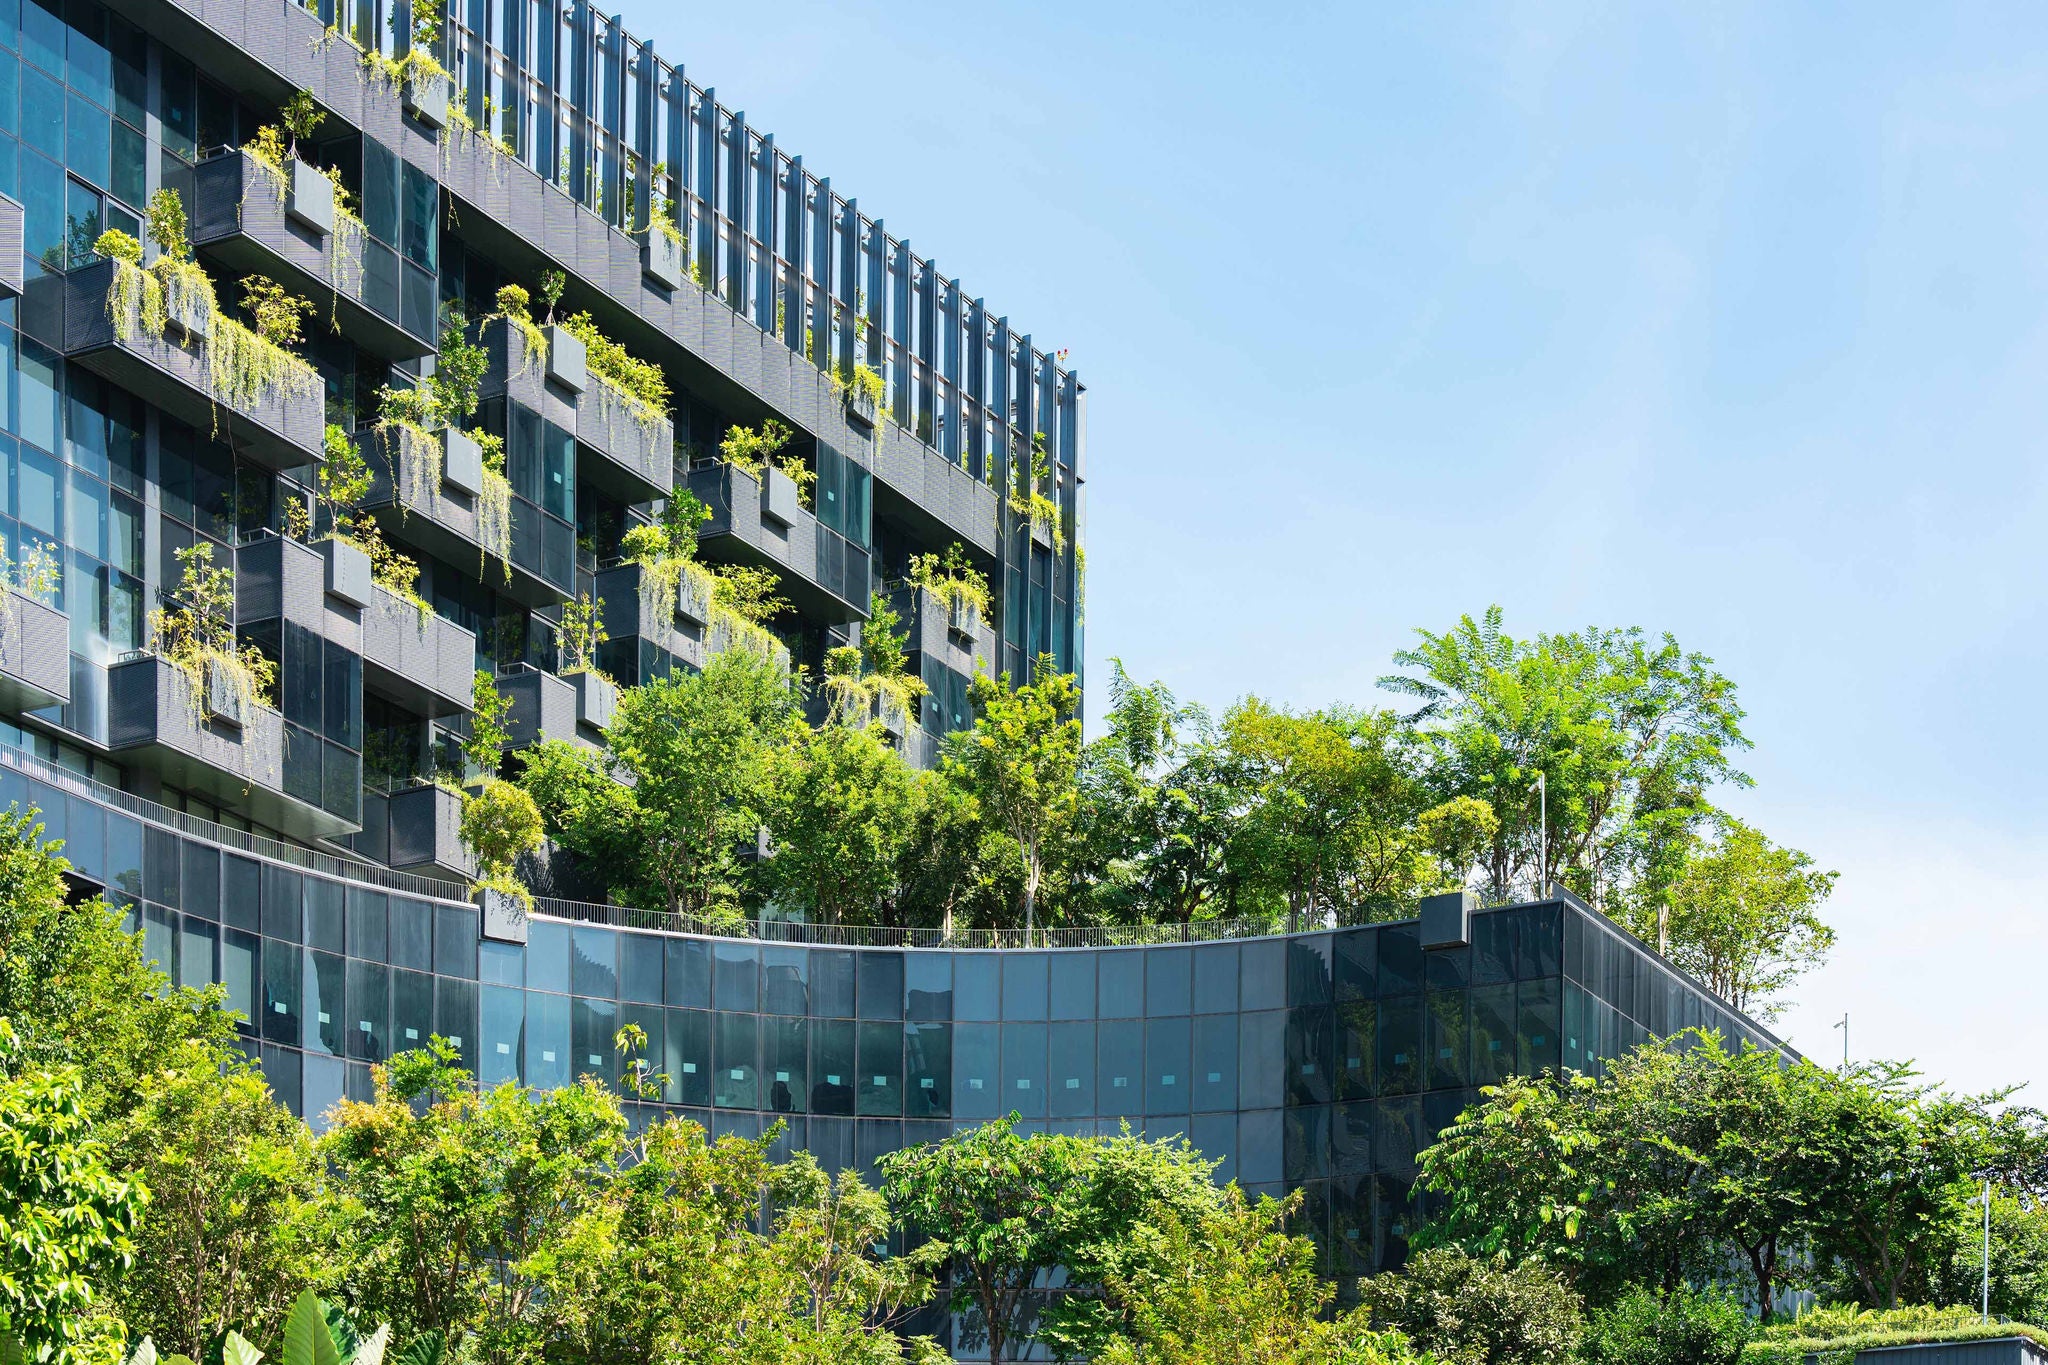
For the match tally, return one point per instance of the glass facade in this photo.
(1320, 1061)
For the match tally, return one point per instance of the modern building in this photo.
(296, 856)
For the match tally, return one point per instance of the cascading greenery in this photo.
(667, 556)
(859, 379)
(515, 308)
(749, 450)
(494, 503)
(952, 579)
(1027, 497)
(871, 679)
(135, 303)
(638, 388)
(197, 635)
(417, 65)
(247, 365)
(581, 632)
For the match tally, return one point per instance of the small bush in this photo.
(1470, 1311)
(1684, 1327)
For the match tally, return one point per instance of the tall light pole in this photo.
(1985, 1200)
(1542, 837)
(1843, 1025)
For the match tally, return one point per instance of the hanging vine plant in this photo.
(197, 636)
(952, 579)
(410, 449)
(625, 384)
(1028, 500)
(515, 308)
(494, 504)
(667, 556)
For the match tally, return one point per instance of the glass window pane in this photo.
(240, 962)
(1166, 1067)
(977, 986)
(785, 1054)
(1212, 1072)
(832, 1066)
(1449, 1042)
(688, 974)
(832, 984)
(412, 933)
(1538, 1049)
(1072, 985)
(197, 941)
(1308, 1055)
(1355, 970)
(412, 1010)
(687, 1059)
(1308, 970)
(881, 1069)
(928, 1070)
(640, 959)
(595, 966)
(455, 1017)
(737, 971)
(785, 987)
(593, 1026)
(369, 1011)
(1357, 1041)
(1216, 979)
(735, 1084)
(928, 985)
(502, 1028)
(281, 997)
(1071, 1064)
(1119, 983)
(326, 1011)
(1024, 1069)
(977, 1084)
(1262, 974)
(1400, 1046)
(1400, 965)
(1120, 1068)
(1024, 985)
(881, 985)
(1262, 1059)
(1167, 980)
(1493, 1034)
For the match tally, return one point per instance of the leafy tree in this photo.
(1630, 736)
(1019, 763)
(1478, 1311)
(1332, 797)
(696, 750)
(1232, 1288)
(840, 821)
(1678, 1327)
(1743, 916)
(500, 822)
(240, 1222)
(458, 1187)
(2019, 1261)
(67, 1217)
(830, 1236)
(954, 864)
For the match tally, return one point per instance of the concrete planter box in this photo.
(35, 653)
(462, 462)
(962, 616)
(597, 699)
(860, 407)
(348, 572)
(426, 833)
(1041, 532)
(693, 601)
(779, 498)
(427, 97)
(894, 719)
(240, 222)
(223, 703)
(661, 258)
(186, 311)
(11, 227)
(567, 362)
(309, 197)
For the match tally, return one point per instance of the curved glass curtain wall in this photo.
(1321, 1061)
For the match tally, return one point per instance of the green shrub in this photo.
(1466, 1310)
(1684, 1327)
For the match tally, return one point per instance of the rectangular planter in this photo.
(860, 407)
(35, 653)
(427, 98)
(661, 258)
(309, 197)
(543, 706)
(1041, 532)
(962, 617)
(462, 461)
(504, 918)
(693, 601)
(348, 572)
(597, 699)
(222, 702)
(568, 365)
(427, 666)
(779, 498)
(894, 719)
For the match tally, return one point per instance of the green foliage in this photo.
(1679, 1327)
(302, 117)
(458, 371)
(552, 283)
(117, 245)
(952, 578)
(164, 220)
(499, 823)
(67, 1216)
(484, 749)
(750, 593)
(1230, 1287)
(1836, 1333)
(749, 449)
(1468, 1310)
(840, 820)
(277, 312)
(197, 632)
(1019, 763)
(1743, 916)
(640, 382)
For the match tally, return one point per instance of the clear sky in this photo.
(1726, 321)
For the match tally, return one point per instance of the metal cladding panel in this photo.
(512, 374)
(35, 652)
(558, 227)
(1447, 920)
(641, 459)
(1989, 1351)
(278, 577)
(543, 706)
(430, 666)
(426, 833)
(10, 247)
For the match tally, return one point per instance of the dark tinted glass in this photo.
(1262, 974)
(1120, 1068)
(1308, 1055)
(369, 1011)
(1493, 1033)
(880, 978)
(1493, 947)
(1024, 976)
(832, 1066)
(1167, 980)
(977, 986)
(977, 1082)
(367, 930)
(785, 986)
(640, 962)
(1308, 971)
(1024, 1069)
(501, 1025)
(880, 1069)
(201, 889)
(832, 984)
(1446, 969)
(1356, 1043)
(1537, 1006)
(688, 976)
(1212, 1069)
(455, 1017)
(1306, 1155)
(1539, 952)
(785, 1057)
(736, 977)
(687, 1058)
(501, 964)
(1167, 1090)
(1119, 983)
(412, 934)
(1070, 1066)
(928, 985)
(326, 915)
(1400, 953)
(455, 940)
(928, 1070)
(1216, 978)
(1072, 985)
(1400, 1046)
(594, 966)
(593, 1026)
(1449, 1043)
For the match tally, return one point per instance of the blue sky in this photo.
(1726, 322)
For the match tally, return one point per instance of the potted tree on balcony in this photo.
(957, 585)
(567, 362)
(500, 824)
(196, 634)
(581, 632)
(787, 482)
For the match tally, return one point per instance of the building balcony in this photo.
(278, 430)
(618, 456)
(11, 227)
(249, 220)
(631, 614)
(823, 574)
(424, 825)
(543, 707)
(936, 632)
(439, 518)
(277, 578)
(421, 660)
(35, 653)
(154, 721)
